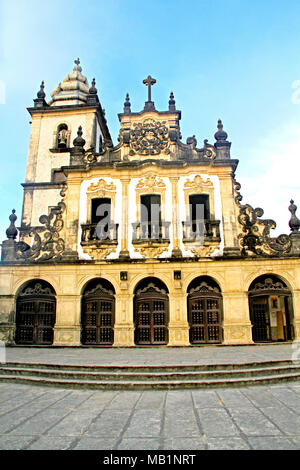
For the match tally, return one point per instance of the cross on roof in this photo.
(149, 81)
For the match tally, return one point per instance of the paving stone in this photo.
(234, 398)
(260, 397)
(139, 444)
(181, 424)
(206, 399)
(290, 398)
(95, 443)
(51, 443)
(125, 400)
(109, 423)
(183, 443)
(287, 421)
(216, 422)
(144, 423)
(271, 443)
(39, 423)
(74, 424)
(232, 443)
(98, 400)
(152, 399)
(253, 423)
(14, 442)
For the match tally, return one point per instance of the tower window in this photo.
(62, 136)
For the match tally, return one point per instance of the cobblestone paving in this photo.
(257, 417)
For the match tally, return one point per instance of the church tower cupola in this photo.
(73, 90)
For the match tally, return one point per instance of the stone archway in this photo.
(270, 304)
(35, 314)
(151, 312)
(205, 312)
(98, 313)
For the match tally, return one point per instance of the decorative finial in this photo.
(93, 90)
(77, 65)
(12, 232)
(220, 135)
(41, 94)
(172, 102)
(79, 141)
(127, 105)
(294, 222)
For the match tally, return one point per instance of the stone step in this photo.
(182, 373)
(145, 377)
(148, 367)
(154, 384)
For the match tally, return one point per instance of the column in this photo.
(176, 252)
(237, 326)
(124, 326)
(178, 324)
(124, 253)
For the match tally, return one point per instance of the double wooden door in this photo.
(205, 317)
(151, 320)
(35, 320)
(98, 315)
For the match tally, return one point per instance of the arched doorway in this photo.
(98, 313)
(205, 311)
(36, 313)
(270, 304)
(151, 312)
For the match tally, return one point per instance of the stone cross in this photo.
(149, 81)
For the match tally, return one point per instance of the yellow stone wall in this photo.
(233, 276)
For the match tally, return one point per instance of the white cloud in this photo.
(276, 165)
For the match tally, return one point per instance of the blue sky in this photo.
(236, 60)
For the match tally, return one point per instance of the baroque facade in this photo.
(146, 242)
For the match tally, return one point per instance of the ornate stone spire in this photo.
(93, 90)
(222, 145)
(220, 135)
(172, 102)
(40, 102)
(127, 105)
(12, 231)
(92, 97)
(294, 222)
(41, 94)
(79, 141)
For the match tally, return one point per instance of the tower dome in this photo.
(73, 90)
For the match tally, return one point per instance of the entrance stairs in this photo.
(143, 377)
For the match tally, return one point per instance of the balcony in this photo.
(203, 230)
(98, 234)
(151, 232)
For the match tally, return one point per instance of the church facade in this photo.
(143, 243)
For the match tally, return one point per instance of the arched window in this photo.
(62, 137)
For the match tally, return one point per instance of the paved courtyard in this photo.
(256, 417)
(259, 417)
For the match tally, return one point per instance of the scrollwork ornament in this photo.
(46, 244)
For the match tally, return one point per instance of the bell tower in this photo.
(72, 120)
